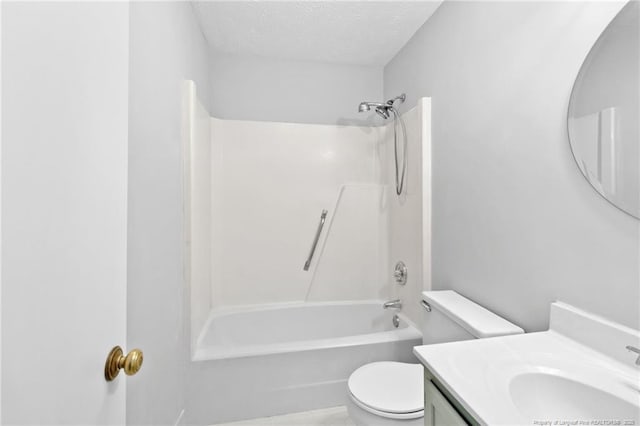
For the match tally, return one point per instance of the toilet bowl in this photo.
(386, 393)
(392, 393)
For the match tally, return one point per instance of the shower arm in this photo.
(400, 98)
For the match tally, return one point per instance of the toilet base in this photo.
(361, 417)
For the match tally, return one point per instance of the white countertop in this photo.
(542, 377)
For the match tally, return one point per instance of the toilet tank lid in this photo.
(477, 320)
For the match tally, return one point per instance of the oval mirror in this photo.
(603, 119)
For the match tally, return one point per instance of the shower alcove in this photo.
(266, 336)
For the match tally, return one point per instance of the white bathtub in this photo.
(272, 329)
(269, 360)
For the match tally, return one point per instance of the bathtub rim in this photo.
(204, 353)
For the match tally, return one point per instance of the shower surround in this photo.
(254, 194)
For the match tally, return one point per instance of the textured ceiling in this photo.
(347, 32)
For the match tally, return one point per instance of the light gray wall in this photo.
(254, 88)
(166, 47)
(515, 225)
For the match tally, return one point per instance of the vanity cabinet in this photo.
(437, 409)
(441, 409)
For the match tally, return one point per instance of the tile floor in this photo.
(335, 416)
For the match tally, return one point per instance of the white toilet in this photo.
(391, 393)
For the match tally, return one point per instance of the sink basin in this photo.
(544, 396)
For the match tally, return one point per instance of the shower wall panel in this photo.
(351, 262)
(410, 213)
(197, 157)
(270, 182)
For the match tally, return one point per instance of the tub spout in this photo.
(397, 304)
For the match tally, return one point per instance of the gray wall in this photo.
(515, 225)
(254, 88)
(166, 47)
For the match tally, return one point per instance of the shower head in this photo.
(383, 112)
(366, 106)
(382, 109)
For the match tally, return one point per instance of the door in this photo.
(64, 210)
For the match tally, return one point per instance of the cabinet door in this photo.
(437, 409)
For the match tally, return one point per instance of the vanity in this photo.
(583, 371)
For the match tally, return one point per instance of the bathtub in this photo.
(269, 360)
(274, 329)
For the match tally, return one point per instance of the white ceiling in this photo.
(347, 32)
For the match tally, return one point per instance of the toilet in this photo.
(391, 393)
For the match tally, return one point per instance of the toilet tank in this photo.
(450, 317)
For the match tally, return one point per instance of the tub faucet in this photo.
(397, 304)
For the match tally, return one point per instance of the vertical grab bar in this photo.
(323, 217)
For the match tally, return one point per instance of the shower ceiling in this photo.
(343, 32)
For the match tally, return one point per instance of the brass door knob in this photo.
(116, 361)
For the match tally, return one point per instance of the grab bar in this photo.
(323, 217)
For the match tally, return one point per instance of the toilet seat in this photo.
(395, 416)
(393, 390)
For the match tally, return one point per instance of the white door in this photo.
(64, 210)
